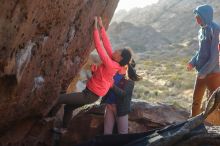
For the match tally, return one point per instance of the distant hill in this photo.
(138, 37)
(159, 25)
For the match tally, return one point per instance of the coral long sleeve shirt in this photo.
(102, 78)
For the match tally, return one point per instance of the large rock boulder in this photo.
(43, 46)
(87, 122)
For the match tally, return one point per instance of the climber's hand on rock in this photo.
(100, 22)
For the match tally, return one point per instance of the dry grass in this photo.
(165, 80)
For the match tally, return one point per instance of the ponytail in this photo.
(132, 72)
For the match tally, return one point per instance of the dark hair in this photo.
(132, 72)
(126, 57)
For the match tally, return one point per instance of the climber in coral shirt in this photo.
(102, 77)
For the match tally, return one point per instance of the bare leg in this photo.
(109, 119)
(122, 123)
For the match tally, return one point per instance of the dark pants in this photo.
(210, 82)
(73, 101)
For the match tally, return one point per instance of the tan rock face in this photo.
(43, 46)
(79, 83)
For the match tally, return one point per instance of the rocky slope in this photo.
(138, 37)
(172, 19)
(43, 46)
(143, 117)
